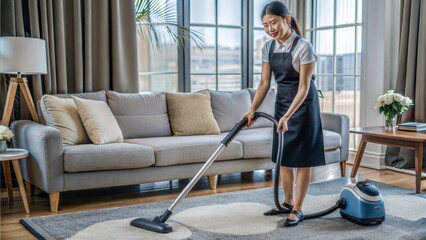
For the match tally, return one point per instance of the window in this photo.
(231, 32)
(158, 65)
(335, 29)
(219, 66)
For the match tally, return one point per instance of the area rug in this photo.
(238, 215)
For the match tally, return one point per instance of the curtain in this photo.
(91, 44)
(411, 76)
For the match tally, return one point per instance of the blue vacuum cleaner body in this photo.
(362, 204)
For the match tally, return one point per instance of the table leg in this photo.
(21, 184)
(8, 179)
(358, 157)
(418, 165)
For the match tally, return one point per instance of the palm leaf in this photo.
(157, 22)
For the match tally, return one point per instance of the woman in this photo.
(292, 60)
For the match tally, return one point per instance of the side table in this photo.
(13, 155)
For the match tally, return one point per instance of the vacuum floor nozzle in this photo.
(151, 225)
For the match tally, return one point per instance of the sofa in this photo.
(152, 148)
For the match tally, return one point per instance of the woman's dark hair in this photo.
(279, 9)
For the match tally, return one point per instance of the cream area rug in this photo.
(238, 215)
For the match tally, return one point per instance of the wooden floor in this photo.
(12, 212)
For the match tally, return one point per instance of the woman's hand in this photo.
(282, 124)
(250, 116)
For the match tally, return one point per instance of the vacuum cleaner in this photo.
(361, 203)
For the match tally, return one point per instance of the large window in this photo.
(219, 65)
(335, 29)
(231, 60)
(158, 65)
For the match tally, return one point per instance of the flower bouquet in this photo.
(5, 135)
(392, 104)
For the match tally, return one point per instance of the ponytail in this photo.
(295, 26)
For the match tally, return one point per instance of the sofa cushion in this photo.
(140, 115)
(98, 120)
(257, 142)
(90, 157)
(100, 96)
(267, 106)
(332, 140)
(188, 149)
(62, 114)
(228, 107)
(191, 114)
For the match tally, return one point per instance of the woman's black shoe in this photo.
(291, 223)
(273, 211)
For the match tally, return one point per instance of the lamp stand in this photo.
(11, 92)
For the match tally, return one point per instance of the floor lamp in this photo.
(21, 55)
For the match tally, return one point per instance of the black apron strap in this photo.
(295, 41)
(271, 49)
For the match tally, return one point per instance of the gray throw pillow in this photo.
(268, 106)
(229, 107)
(140, 115)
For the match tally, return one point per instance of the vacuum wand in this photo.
(158, 224)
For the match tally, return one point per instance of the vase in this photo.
(390, 123)
(3, 146)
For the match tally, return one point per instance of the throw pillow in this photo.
(62, 114)
(228, 107)
(267, 106)
(98, 120)
(191, 114)
(140, 115)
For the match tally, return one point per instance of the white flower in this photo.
(397, 97)
(378, 104)
(388, 99)
(5, 133)
(406, 101)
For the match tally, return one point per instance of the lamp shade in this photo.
(22, 55)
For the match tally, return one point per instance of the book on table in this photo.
(412, 126)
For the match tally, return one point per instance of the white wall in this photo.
(380, 39)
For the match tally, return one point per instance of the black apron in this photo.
(303, 142)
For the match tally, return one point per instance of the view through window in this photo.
(336, 36)
(224, 64)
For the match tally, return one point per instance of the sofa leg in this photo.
(343, 168)
(213, 182)
(268, 172)
(54, 201)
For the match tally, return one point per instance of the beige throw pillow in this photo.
(191, 114)
(99, 122)
(62, 114)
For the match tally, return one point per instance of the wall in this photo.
(380, 40)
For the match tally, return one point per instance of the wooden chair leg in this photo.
(54, 201)
(213, 182)
(343, 168)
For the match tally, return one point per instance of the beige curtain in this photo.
(91, 44)
(411, 78)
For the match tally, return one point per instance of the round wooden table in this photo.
(13, 155)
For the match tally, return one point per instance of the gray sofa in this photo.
(151, 153)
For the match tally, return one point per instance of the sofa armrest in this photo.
(338, 123)
(45, 166)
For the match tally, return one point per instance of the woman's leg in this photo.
(287, 181)
(303, 177)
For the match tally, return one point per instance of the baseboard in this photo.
(408, 171)
(370, 159)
